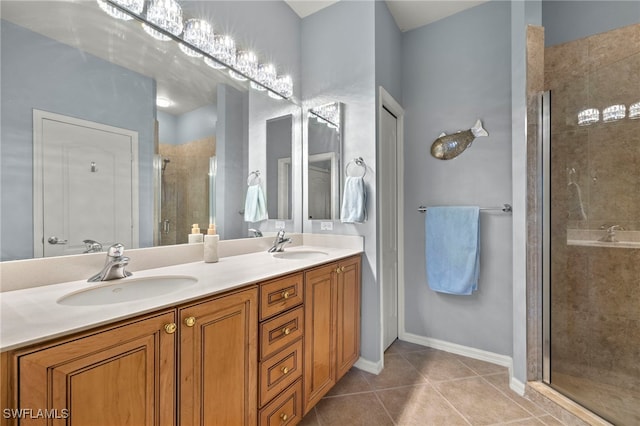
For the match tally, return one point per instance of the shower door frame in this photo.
(545, 165)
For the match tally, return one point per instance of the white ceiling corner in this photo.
(408, 14)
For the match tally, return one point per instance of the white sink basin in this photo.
(301, 254)
(126, 290)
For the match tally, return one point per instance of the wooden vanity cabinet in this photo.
(219, 361)
(332, 326)
(123, 375)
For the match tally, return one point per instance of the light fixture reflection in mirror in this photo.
(167, 14)
(324, 161)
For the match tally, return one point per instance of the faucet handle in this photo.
(612, 229)
(116, 250)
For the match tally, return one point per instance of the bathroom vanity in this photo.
(260, 352)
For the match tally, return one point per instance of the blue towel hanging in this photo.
(452, 249)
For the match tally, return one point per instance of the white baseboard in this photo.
(494, 358)
(369, 366)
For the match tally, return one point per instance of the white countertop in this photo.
(33, 315)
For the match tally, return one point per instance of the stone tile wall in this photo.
(186, 187)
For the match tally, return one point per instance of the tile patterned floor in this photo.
(425, 387)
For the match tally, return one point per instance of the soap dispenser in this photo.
(195, 236)
(211, 245)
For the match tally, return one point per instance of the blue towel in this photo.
(255, 207)
(354, 200)
(452, 249)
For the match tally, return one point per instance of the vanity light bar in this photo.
(220, 57)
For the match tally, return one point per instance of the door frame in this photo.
(38, 176)
(335, 180)
(385, 100)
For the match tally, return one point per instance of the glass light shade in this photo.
(163, 102)
(198, 33)
(613, 113)
(223, 49)
(634, 111)
(265, 75)
(284, 85)
(167, 14)
(588, 116)
(134, 6)
(246, 63)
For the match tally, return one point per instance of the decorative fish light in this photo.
(447, 147)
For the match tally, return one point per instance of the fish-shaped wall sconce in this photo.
(447, 147)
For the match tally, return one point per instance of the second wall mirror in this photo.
(324, 132)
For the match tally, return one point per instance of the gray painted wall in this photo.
(570, 20)
(75, 84)
(388, 52)
(188, 127)
(338, 64)
(450, 79)
(231, 154)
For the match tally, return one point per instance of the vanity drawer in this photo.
(279, 371)
(286, 409)
(280, 331)
(279, 295)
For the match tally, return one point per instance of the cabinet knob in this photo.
(286, 331)
(170, 328)
(342, 269)
(190, 321)
(285, 294)
(338, 270)
(284, 417)
(284, 369)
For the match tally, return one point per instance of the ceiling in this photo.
(408, 14)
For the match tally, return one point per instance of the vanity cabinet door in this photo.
(320, 301)
(348, 319)
(219, 361)
(124, 375)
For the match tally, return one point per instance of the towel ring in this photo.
(253, 178)
(357, 162)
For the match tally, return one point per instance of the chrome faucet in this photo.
(610, 237)
(256, 233)
(114, 265)
(92, 246)
(279, 242)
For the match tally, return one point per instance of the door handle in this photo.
(55, 240)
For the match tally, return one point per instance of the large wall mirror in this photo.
(86, 90)
(324, 163)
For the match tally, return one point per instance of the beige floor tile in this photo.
(311, 419)
(549, 420)
(397, 372)
(480, 402)
(438, 366)
(362, 409)
(482, 367)
(400, 346)
(418, 406)
(526, 422)
(352, 382)
(501, 381)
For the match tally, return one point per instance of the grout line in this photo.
(317, 415)
(451, 404)
(513, 399)
(384, 408)
(510, 422)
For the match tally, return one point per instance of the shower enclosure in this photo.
(591, 263)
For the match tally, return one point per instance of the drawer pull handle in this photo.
(170, 328)
(285, 294)
(286, 331)
(190, 321)
(284, 369)
(284, 417)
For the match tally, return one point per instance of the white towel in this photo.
(354, 201)
(255, 207)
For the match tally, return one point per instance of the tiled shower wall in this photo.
(185, 188)
(595, 314)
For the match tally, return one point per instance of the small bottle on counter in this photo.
(195, 236)
(211, 245)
